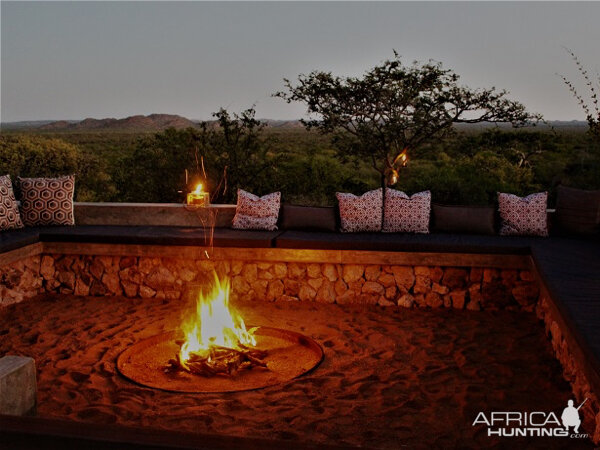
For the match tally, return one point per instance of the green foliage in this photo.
(466, 168)
(37, 156)
(467, 180)
(231, 154)
(155, 169)
(395, 108)
(34, 156)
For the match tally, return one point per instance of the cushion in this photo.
(256, 213)
(47, 201)
(523, 216)
(577, 211)
(463, 219)
(404, 214)
(308, 218)
(360, 213)
(10, 219)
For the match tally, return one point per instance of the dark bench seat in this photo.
(15, 239)
(137, 235)
(398, 242)
(158, 235)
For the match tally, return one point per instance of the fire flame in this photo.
(198, 189)
(215, 324)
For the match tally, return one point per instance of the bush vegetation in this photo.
(468, 168)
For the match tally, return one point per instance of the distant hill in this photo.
(159, 122)
(25, 124)
(153, 122)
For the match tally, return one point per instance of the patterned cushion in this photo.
(47, 201)
(404, 214)
(9, 211)
(256, 213)
(523, 216)
(360, 213)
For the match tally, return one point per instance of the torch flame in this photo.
(215, 324)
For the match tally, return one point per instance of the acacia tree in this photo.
(393, 109)
(236, 152)
(224, 154)
(592, 110)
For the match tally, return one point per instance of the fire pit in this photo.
(215, 352)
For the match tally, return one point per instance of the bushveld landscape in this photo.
(137, 164)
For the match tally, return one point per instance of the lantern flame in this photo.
(198, 189)
(214, 324)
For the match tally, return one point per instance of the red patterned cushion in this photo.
(404, 214)
(9, 210)
(360, 213)
(256, 213)
(47, 201)
(523, 216)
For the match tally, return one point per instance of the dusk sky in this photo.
(114, 59)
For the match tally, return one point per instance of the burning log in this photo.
(219, 361)
(216, 340)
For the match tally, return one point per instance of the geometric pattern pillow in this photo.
(404, 214)
(47, 201)
(360, 213)
(523, 216)
(256, 213)
(9, 211)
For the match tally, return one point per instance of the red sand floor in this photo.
(390, 378)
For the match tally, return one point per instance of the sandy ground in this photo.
(390, 379)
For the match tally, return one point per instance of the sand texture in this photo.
(391, 378)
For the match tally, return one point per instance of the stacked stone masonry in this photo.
(590, 411)
(470, 288)
(20, 280)
(408, 286)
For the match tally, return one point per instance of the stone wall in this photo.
(572, 371)
(20, 280)
(407, 286)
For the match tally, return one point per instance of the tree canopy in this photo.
(395, 108)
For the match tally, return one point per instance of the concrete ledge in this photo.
(18, 386)
(159, 214)
(522, 262)
(18, 254)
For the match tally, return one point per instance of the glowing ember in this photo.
(216, 338)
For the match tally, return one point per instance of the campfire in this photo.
(216, 341)
(213, 350)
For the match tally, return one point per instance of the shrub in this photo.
(38, 156)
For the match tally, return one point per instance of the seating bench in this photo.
(400, 242)
(15, 239)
